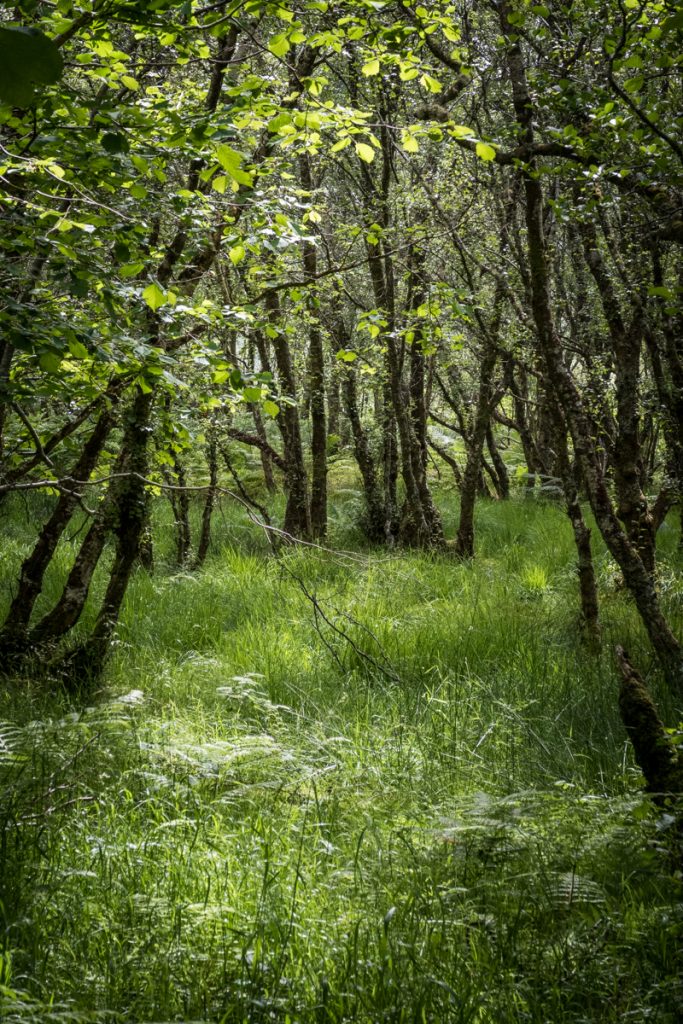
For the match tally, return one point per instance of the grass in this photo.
(420, 808)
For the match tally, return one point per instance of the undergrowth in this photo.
(355, 787)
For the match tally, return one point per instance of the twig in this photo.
(388, 673)
(40, 451)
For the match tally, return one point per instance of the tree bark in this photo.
(205, 532)
(130, 518)
(657, 757)
(373, 522)
(13, 635)
(316, 378)
(297, 521)
(636, 575)
(464, 543)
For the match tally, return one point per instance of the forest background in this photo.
(341, 448)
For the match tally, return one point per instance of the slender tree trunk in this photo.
(205, 532)
(316, 378)
(588, 587)
(448, 459)
(131, 512)
(636, 575)
(67, 611)
(297, 513)
(180, 502)
(632, 508)
(373, 524)
(333, 398)
(464, 543)
(519, 389)
(502, 480)
(266, 460)
(13, 634)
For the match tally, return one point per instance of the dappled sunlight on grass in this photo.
(411, 802)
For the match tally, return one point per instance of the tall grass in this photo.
(411, 801)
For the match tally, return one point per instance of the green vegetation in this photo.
(251, 819)
(341, 512)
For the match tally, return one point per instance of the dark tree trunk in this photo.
(131, 513)
(297, 513)
(518, 387)
(333, 399)
(13, 634)
(68, 609)
(501, 479)
(373, 524)
(266, 458)
(588, 588)
(180, 503)
(637, 577)
(626, 341)
(658, 758)
(205, 532)
(316, 380)
(464, 543)
(389, 466)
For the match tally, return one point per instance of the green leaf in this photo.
(252, 394)
(271, 408)
(365, 152)
(279, 45)
(115, 142)
(280, 121)
(409, 142)
(50, 362)
(485, 152)
(237, 254)
(130, 269)
(228, 158)
(431, 84)
(77, 349)
(27, 57)
(460, 131)
(154, 296)
(371, 68)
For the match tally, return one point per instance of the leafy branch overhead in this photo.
(28, 59)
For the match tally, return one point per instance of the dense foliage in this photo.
(353, 270)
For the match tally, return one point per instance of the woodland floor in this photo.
(420, 807)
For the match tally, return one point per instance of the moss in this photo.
(655, 753)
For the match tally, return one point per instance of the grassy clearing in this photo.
(433, 817)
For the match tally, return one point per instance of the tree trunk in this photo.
(632, 504)
(13, 634)
(68, 609)
(131, 511)
(658, 758)
(266, 460)
(316, 379)
(297, 513)
(464, 543)
(373, 523)
(205, 532)
(636, 575)
(502, 480)
(180, 503)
